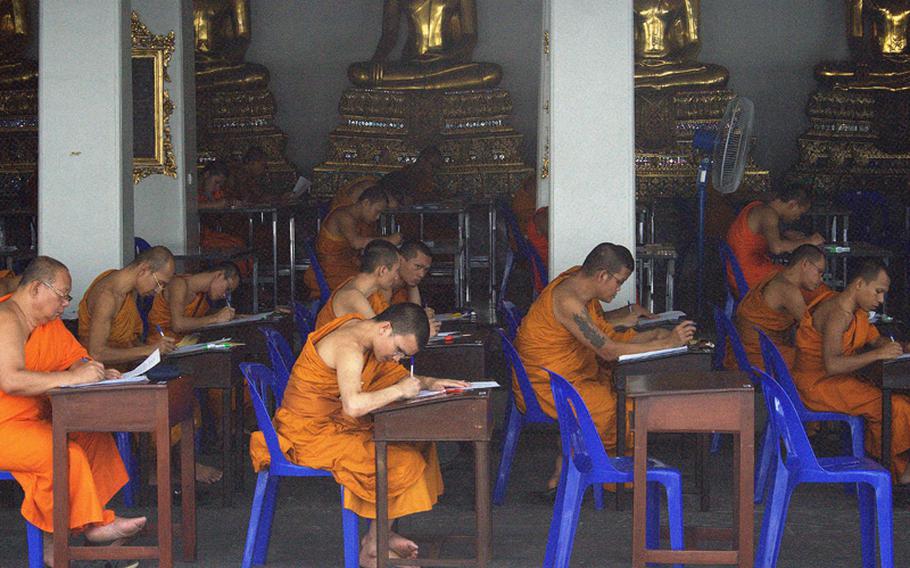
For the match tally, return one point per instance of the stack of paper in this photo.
(475, 385)
(240, 320)
(652, 354)
(660, 319)
(223, 344)
(137, 375)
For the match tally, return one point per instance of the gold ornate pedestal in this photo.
(18, 143)
(665, 163)
(383, 130)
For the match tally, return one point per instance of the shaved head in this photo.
(610, 257)
(42, 268)
(156, 258)
(407, 319)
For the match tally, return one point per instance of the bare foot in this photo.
(405, 548)
(905, 477)
(121, 527)
(207, 473)
(49, 549)
(553, 482)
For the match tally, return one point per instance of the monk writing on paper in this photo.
(416, 260)
(347, 369)
(776, 304)
(183, 306)
(834, 341)
(38, 354)
(567, 331)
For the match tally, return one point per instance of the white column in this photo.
(165, 207)
(592, 130)
(85, 191)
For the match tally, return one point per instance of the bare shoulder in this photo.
(565, 303)
(12, 328)
(338, 346)
(778, 290)
(829, 316)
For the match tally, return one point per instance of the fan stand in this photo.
(701, 184)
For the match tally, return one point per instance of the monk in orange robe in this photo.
(415, 183)
(9, 281)
(109, 322)
(223, 234)
(349, 193)
(524, 202)
(755, 234)
(567, 331)
(416, 260)
(360, 294)
(347, 369)
(183, 306)
(833, 342)
(37, 354)
(339, 240)
(776, 305)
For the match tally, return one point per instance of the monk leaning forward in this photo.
(776, 305)
(834, 340)
(183, 306)
(340, 240)
(347, 369)
(37, 354)
(567, 331)
(755, 234)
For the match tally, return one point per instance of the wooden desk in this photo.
(894, 376)
(696, 361)
(460, 418)
(127, 408)
(219, 370)
(466, 357)
(254, 346)
(721, 401)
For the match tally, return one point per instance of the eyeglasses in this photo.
(821, 271)
(61, 295)
(614, 277)
(158, 285)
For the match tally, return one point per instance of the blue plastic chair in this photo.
(255, 552)
(124, 443)
(742, 288)
(585, 462)
(282, 359)
(303, 321)
(516, 420)
(521, 242)
(508, 265)
(33, 536)
(777, 368)
(726, 332)
(802, 466)
(140, 245)
(510, 316)
(324, 290)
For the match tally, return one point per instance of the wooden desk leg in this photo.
(227, 437)
(639, 477)
(620, 442)
(382, 506)
(482, 501)
(188, 487)
(744, 461)
(61, 496)
(886, 429)
(701, 471)
(163, 460)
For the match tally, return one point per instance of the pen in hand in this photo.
(227, 300)
(160, 331)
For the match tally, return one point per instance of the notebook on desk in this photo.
(239, 321)
(664, 318)
(656, 354)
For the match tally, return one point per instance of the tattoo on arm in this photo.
(589, 330)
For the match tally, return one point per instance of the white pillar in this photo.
(165, 207)
(85, 191)
(592, 130)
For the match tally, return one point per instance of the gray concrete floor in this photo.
(822, 527)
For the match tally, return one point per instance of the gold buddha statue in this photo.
(15, 71)
(437, 52)
(222, 37)
(878, 32)
(666, 44)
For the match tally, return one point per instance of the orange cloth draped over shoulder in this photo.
(26, 442)
(337, 258)
(314, 431)
(544, 342)
(327, 313)
(849, 394)
(126, 329)
(753, 312)
(160, 314)
(750, 249)
(399, 297)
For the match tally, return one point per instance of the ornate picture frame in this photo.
(153, 151)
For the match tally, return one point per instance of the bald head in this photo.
(157, 258)
(42, 269)
(807, 252)
(378, 253)
(610, 257)
(869, 271)
(407, 319)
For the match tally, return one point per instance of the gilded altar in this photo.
(675, 94)
(859, 117)
(18, 107)
(434, 94)
(234, 107)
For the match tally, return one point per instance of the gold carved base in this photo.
(665, 123)
(856, 140)
(383, 130)
(18, 143)
(230, 121)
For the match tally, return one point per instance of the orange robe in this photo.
(750, 249)
(314, 431)
(753, 312)
(544, 342)
(126, 329)
(524, 202)
(327, 313)
(26, 442)
(399, 297)
(541, 244)
(160, 314)
(850, 394)
(337, 258)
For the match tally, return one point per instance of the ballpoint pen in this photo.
(160, 331)
(227, 299)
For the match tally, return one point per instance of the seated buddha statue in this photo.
(15, 71)
(666, 44)
(878, 32)
(222, 30)
(437, 52)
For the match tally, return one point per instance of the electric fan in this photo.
(727, 146)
